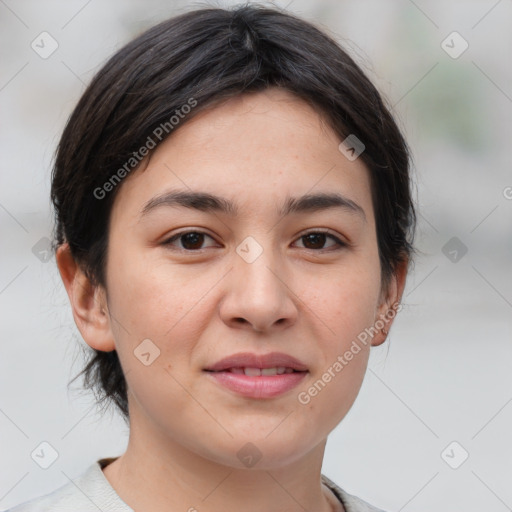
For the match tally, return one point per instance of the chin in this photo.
(261, 453)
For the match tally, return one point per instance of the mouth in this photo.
(257, 372)
(252, 363)
(258, 376)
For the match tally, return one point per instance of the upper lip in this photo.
(250, 360)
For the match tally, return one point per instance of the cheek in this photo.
(346, 299)
(166, 309)
(335, 384)
(346, 302)
(330, 396)
(152, 301)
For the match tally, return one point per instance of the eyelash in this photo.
(340, 244)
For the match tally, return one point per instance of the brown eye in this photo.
(317, 239)
(314, 240)
(190, 240)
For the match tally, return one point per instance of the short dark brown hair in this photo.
(212, 54)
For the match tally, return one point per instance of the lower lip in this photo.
(258, 387)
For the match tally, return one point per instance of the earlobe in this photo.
(88, 302)
(390, 304)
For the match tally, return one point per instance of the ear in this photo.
(390, 304)
(88, 302)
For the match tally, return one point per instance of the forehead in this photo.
(250, 148)
(255, 118)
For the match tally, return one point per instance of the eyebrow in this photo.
(206, 202)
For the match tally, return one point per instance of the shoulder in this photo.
(350, 503)
(89, 492)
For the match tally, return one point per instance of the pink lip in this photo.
(258, 387)
(250, 360)
(263, 386)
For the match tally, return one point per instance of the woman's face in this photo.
(192, 282)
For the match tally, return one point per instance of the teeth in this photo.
(256, 372)
(252, 372)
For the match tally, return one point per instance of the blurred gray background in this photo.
(438, 391)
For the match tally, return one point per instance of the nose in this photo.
(259, 295)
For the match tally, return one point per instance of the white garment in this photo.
(92, 492)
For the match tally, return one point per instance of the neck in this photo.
(150, 477)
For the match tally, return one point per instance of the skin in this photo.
(309, 299)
